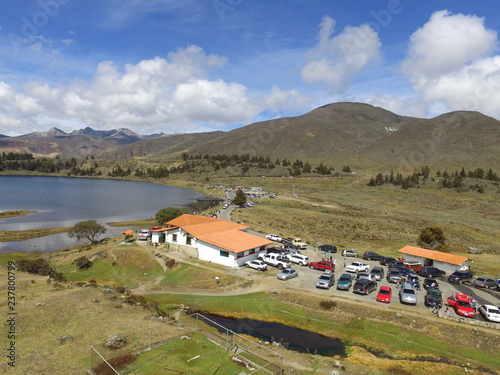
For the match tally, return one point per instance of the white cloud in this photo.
(450, 61)
(337, 60)
(404, 106)
(156, 95)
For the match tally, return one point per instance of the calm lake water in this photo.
(65, 201)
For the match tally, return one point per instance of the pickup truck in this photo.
(275, 260)
(357, 267)
(296, 241)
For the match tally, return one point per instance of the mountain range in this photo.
(354, 134)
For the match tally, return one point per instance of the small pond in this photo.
(292, 338)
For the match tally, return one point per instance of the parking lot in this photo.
(307, 280)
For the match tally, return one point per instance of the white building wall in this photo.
(208, 252)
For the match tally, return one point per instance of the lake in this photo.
(65, 201)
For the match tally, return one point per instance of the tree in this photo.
(167, 214)
(433, 238)
(89, 229)
(240, 198)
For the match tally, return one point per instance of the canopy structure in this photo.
(128, 234)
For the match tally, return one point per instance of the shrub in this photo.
(39, 266)
(83, 263)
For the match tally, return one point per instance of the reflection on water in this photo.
(64, 201)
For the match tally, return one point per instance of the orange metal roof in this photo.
(222, 233)
(128, 232)
(434, 255)
(234, 240)
(187, 219)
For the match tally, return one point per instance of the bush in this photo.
(83, 263)
(39, 266)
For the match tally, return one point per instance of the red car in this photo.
(322, 266)
(384, 294)
(463, 304)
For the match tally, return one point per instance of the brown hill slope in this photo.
(455, 139)
(331, 131)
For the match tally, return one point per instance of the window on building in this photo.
(224, 254)
(188, 240)
(174, 238)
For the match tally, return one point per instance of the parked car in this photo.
(349, 253)
(300, 259)
(433, 297)
(395, 263)
(344, 282)
(370, 255)
(364, 286)
(327, 248)
(296, 241)
(407, 294)
(384, 260)
(322, 265)
(378, 272)
(275, 260)
(405, 272)
(431, 272)
(357, 267)
(490, 312)
(366, 275)
(287, 274)
(384, 294)
(484, 282)
(326, 280)
(430, 283)
(460, 277)
(393, 276)
(143, 235)
(498, 284)
(463, 304)
(256, 264)
(274, 237)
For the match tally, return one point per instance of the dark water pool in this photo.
(297, 339)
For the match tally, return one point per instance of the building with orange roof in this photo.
(213, 240)
(445, 261)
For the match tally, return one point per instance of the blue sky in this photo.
(188, 66)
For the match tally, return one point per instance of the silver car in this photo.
(407, 294)
(326, 280)
(288, 273)
(484, 282)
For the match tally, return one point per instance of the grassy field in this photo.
(9, 214)
(413, 344)
(179, 357)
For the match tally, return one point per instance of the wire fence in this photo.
(111, 360)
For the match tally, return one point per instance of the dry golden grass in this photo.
(347, 213)
(66, 312)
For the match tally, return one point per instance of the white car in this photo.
(357, 267)
(256, 264)
(490, 312)
(143, 235)
(300, 259)
(274, 237)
